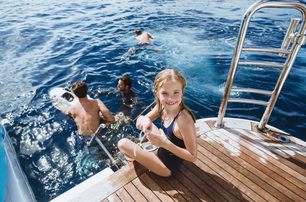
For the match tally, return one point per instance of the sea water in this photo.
(44, 44)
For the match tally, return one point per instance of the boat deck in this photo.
(236, 163)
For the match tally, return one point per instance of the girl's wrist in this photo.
(139, 122)
(165, 143)
(164, 140)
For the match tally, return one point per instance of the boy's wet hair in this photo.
(80, 89)
(138, 32)
(126, 81)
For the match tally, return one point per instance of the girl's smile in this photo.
(170, 95)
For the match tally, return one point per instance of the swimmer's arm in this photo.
(150, 36)
(64, 109)
(188, 132)
(105, 112)
(70, 112)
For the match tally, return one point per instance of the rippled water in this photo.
(55, 43)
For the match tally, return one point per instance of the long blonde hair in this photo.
(170, 75)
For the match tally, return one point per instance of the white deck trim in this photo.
(90, 190)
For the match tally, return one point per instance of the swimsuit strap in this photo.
(170, 133)
(172, 122)
(177, 115)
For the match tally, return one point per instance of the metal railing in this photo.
(293, 40)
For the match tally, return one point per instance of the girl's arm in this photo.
(187, 130)
(153, 114)
(144, 123)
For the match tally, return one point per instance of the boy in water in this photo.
(144, 42)
(143, 37)
(124, 87)
(87, 115)
(130, 100)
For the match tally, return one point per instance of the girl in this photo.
(177, 138)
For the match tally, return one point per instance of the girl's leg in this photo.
(147, 159)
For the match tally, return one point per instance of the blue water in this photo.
(44, 44)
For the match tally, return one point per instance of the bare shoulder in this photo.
(73, 111)
(185, 117)
(98, 102)
(101, 105)
(184, 124)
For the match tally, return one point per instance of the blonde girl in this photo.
(177, 137)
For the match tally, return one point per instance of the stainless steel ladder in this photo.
(293, 40)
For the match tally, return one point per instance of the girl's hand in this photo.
(157, 137)
(144, 124)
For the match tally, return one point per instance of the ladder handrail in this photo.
(267, 50)
(239, 47)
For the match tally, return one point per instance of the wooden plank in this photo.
(202, 184)
(134, 192)
(268, 169)
(252, 138)
(296, 154)
(157, 190)
(293, 145)
(120, 178)
(113, 198)
(183, 190)
(192, 187)
(266, 155)
(145, 191)
(240, 173)
(253, 173)
(105, 200)
(124, 195)
(229, 187)
(163, 183)
(211, 180)
(222, 170)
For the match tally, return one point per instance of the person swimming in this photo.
(144, 40)
(87, 115)
(143, 37)
(131, 104)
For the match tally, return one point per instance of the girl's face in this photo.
(170, 95)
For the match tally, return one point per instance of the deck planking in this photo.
(233, 164)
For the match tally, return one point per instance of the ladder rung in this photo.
(267, 50)
(258, 63)
(250, 101)
(252, 90)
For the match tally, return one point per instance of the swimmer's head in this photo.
(80, 89)
(138, 32)
(124, 84)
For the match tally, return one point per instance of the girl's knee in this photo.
(123, 143)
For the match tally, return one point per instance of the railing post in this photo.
(234, 64)
(282, 78)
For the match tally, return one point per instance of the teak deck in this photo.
(233, 165)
